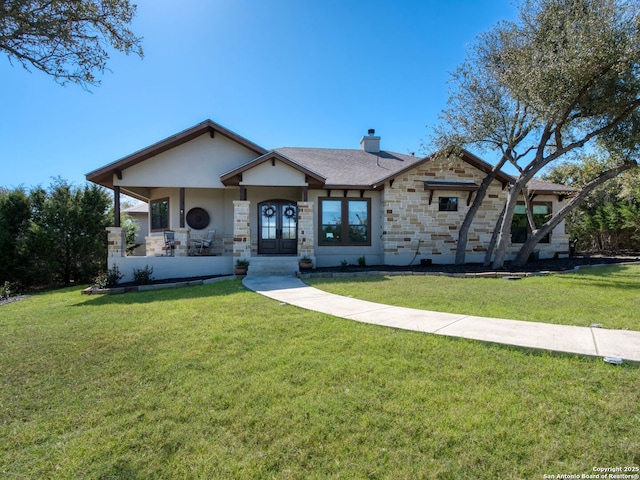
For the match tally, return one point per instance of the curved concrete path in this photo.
(598, 342)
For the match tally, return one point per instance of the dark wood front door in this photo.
(278, 227)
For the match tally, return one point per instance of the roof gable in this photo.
(234, 177)
(104, 176)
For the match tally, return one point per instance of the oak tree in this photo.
(68, 39)
(562, 77)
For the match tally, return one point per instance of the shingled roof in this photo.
(323, 167)
(351, 168)
(540, 187)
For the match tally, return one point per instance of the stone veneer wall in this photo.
(410, 223)
(223, 245)
(241, 229)
(116, 242)
(306, 231)
(155, 244)
(181, 242)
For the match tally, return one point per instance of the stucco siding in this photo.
(267, 174)
(198, 163)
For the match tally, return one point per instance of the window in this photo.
(160, 214)
(519, 225)
(345, 221)
(448, 204)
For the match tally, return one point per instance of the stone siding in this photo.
(116, 242)
(413, 228)
(155, 245)
(306, 231)
(241, 229)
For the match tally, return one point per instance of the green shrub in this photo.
(143, 276)
(110, 278)
(6, 290)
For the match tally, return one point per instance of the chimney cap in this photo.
(372, 131)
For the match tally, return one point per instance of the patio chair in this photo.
(169, 242)
(204, 244)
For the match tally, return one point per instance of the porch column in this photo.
(182, 242)
(116, 206)
(306, 230)
(116, 242)
(182, 207)
(241, 229)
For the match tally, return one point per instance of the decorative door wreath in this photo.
(290, 212)
(268, 211)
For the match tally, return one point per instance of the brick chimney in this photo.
(370, 143)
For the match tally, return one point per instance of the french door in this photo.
(278, 227)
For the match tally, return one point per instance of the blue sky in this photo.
(278, 72)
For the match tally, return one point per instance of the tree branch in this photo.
(544, 230)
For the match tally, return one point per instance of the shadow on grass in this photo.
(167, 294)
(618, 278)
(610, 277)
(365, 279)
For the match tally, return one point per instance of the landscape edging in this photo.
(310, 275)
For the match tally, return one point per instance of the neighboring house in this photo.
(139, 214)
(332, 205)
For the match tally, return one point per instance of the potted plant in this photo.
(242, 264)
(305, 263)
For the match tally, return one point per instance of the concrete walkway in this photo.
(598, 342)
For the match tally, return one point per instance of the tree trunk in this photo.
(505, 226)
(494, 238)
(463, 233)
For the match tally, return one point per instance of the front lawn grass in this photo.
(607, 295)
(218, 382)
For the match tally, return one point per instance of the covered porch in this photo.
(257, 208)
(255, 232)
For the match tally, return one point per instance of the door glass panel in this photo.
(268, 213)
(289, 216)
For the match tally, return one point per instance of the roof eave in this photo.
(329, 186)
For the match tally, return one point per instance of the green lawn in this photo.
(218, 382)
(596, 295)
